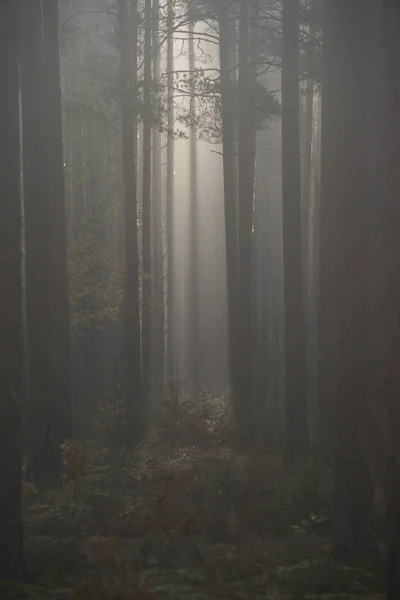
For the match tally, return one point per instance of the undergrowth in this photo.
(178, 520)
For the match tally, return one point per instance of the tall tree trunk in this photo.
(306, 177)
(306, 208)
(345, 259)
(194, 289)
(297, 444)
(146, 210)
(11, 327)
(46, 242)
(389, 96)
(313, 269)
(245, 416)
(258, 384)
(231, 240)
(132, 357)
(171, 324)
(158, 346)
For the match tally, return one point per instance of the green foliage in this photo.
(263, 104)
(95, 282)
(197, 524)
(183, 421)
(319, 577)
(305, 496)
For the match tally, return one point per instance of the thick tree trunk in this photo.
(194, 289)
(295, 344)
(132, 357)
(392, 497)
(158, 346)
(11, 327)
(389, 98)
(346, 241)
(146, 211)
(171, 324)
(46, 243)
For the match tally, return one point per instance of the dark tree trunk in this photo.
(345, 259)
(158, 346)
(11, 328)
(306, 177)
(47, 301)
(313, 274)
(258, 387)
(194, 289)
(245, 414)
(392, 496)
(389, 98)
(297, 444)
(132, 357)
(231, 241)
(306, 213)
(146, 211)
(171, 324)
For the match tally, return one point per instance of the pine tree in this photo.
(11, 328)
(146, 210)
(131, 319)
(295, 344)
(158, 324)
(47, 294)
(345, 257)
(170, 200)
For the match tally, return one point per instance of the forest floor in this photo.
(191, 525)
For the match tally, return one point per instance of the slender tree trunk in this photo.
(46, 242)
(313, 268)
(245, 414)
(254, 31)
(306, 208)
(146, 211)
(295, 344)
(194, 289)
(171, 324)
(11, 327)
(132, 357)
(231, 241)
(345, 260)
(158, 348)
(258, 383)
(306, 177)
(77, 170)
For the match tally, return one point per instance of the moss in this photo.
(22, 591)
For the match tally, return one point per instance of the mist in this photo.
(200, 308)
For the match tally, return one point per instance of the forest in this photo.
(200, 300)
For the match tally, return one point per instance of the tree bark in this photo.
(389, 129)
(146, 211)
(158, 347)
(231, 241)
(47, 294)
(132, 356)
(297, 444)
(346, 362)
(11, 326)
(194, 290)
(171, 325)
(245, 415)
